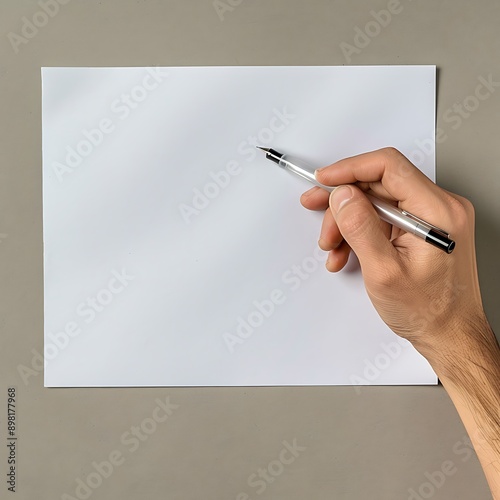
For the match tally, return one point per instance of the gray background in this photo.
(374, 445)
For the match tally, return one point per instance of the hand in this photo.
(425, 295)
(422, 293)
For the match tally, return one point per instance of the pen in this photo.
(387, 212)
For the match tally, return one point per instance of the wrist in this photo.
(469, 346)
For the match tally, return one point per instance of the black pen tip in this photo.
(263, 149)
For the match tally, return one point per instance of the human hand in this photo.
(422, 293)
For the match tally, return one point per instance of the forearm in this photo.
(470, 372)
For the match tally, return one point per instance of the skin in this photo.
(423, 294)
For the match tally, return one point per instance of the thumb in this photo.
(360, 226)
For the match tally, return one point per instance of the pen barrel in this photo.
(395, 216)
(411, 224)
(387, 212)
(301, 168)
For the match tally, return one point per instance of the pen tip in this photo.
(263, 149)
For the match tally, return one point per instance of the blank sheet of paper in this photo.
(175, 254)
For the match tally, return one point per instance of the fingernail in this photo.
(340, 196)
(318, 170)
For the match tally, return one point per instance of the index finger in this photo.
(398, 176)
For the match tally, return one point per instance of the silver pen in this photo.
(387, 212)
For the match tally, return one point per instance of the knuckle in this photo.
(469, 206)
(391, 153)
(387, 276)
(396, 163)
(462, 210)
(390, 150)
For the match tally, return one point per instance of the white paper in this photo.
(147, 286)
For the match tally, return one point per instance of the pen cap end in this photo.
(440, 241)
